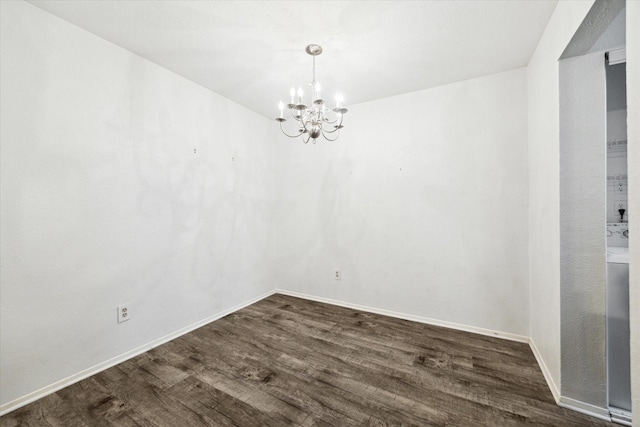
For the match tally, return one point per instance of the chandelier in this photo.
(315, 120)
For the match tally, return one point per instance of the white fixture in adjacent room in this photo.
(317, 119)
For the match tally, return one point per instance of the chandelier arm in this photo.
(304, 125)
(336, 128)
(296, 118)
(330, 122)
(330, 131)
(329, 139)
(290, 136)
(339, 118)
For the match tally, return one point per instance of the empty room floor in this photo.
(286, 361)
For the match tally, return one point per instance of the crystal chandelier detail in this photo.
(316, 120)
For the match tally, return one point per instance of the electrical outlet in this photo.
(337, 274)
(124, 313)
(621, 204)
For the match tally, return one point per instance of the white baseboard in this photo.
(584, 408)
(65, 382)
(414, 318)
(563, 401)
(545, 371)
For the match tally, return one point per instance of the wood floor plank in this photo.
(286, 361)
(216, 407)
(90, 401)
(51, 410)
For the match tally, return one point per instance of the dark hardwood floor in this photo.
(285, 361)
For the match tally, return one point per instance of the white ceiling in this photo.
(253, 51)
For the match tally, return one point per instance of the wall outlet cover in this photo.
(124, 313)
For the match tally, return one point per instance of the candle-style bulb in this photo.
(300, 93)
(292, 94)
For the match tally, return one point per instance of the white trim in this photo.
(545, 371)
(584, 408)
(617, 56)
(620, 416)
(458, 326)
(65, 382)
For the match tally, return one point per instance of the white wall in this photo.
(422, 203)
(633, 134)
(544, 186)
(104, 201)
